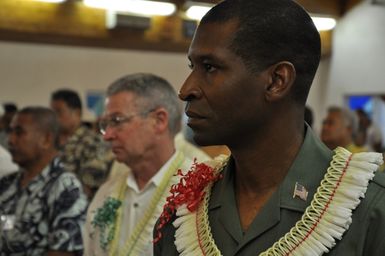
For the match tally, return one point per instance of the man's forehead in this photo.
(123, 98)
(22, 120)
(121, 103)
(336, 114)
(211, 36)
(59, 103)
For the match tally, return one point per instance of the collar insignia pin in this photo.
(300, 191)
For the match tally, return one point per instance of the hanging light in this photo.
(146, 8)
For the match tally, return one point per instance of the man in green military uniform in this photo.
(282, 191)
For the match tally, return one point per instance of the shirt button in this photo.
(136, 205)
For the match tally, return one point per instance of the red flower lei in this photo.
(188, 191)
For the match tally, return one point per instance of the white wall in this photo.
(357, 65)
(30, 72)
(358, 60)
(317, 96)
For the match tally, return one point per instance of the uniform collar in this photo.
(308, 169)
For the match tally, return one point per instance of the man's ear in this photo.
(47, 140)
(78, 112)
(160, 116)
(350, 130)
(281, 79)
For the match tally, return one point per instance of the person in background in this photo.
(42, 207)
(82, 151)
(339, 128)
(142, 117)
(282, 191)
(373, 132)
(7, 111)
(360, 139)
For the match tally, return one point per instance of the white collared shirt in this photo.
(6, 164)
(136, 202)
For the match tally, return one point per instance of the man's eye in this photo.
(17, 131)
(209, 67)
(116, 120)
(190, 65)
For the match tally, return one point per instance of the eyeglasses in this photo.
(116, 121)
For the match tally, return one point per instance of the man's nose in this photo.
(190, 90)
(10, 135)
(108, 134)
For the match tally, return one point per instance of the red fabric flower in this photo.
(188, 191)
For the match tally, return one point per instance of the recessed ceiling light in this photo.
(147, 8)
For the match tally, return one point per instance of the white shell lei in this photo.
(326, 218)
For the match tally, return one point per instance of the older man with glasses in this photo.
(141, 119)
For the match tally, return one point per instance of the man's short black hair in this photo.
(270, 31)
(45, 119)
(70, 97)
(10, 108)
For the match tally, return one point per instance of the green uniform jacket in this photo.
(366, 235)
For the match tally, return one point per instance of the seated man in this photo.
(282, 191)
(372, 130)
(338, 129)
(82, 151)
(141, 119)
(42, 207)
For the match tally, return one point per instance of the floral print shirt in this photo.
(88, 156)
(48, 214)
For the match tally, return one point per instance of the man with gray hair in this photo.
(338, 129)
(141, 119)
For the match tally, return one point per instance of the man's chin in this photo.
(204, 140)
(119, 159)
(15, 159)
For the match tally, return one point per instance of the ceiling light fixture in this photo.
(196, 11)
(324, 23)
(146, 8)
(52, 1)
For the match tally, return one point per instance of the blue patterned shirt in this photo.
(48, 214)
